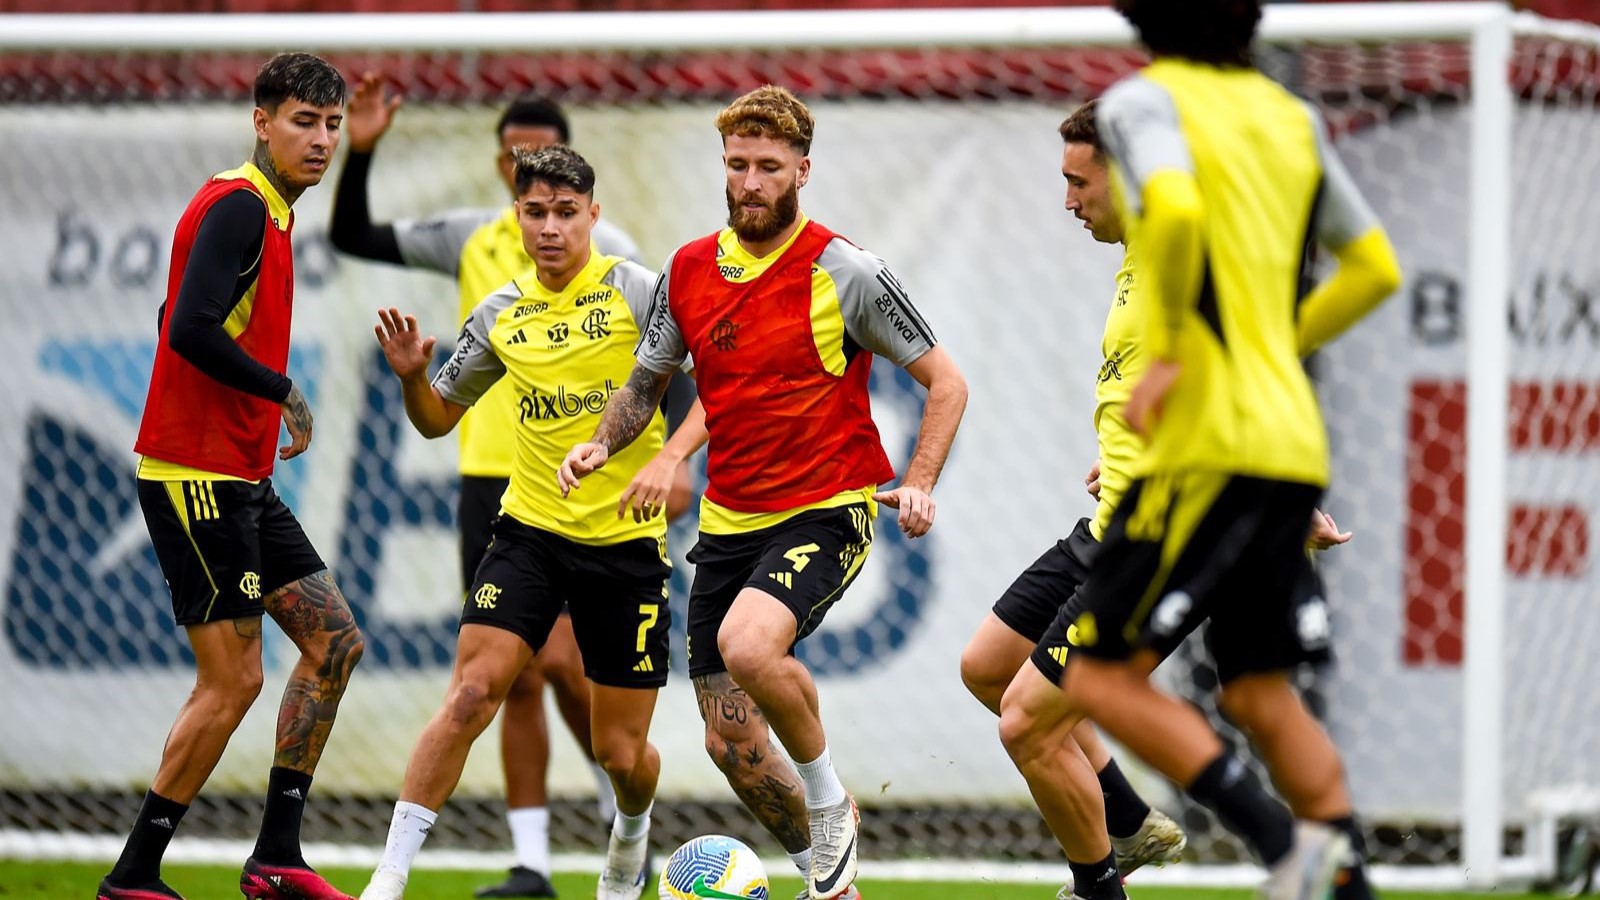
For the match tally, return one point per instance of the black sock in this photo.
(140, 862)
(1097, 880)
(1351, 882)
(1125, 809)
(1243, 805)
(279, 842)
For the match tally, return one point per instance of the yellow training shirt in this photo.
(1122, 366)
(1243, 403)
(556, 358)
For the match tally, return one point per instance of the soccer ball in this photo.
(713, 865)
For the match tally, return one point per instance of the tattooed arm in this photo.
(627, 414)
(297, 417)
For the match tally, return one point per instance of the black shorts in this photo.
(617, 595)
(1190, 547)
(806, 562)
(223, 545)
(1032, 602)
(475, 515)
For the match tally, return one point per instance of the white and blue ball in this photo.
(714, 866)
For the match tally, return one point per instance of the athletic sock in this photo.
(1097, 880)
(279, 841)
(631, 828)
(802, 861)
(1125, 809)
(823, 788)
(140, 862)
(1226, 788)
(407, 830)
(530, 836)
(1351, 882)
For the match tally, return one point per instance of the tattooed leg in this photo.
(738, 740)
(227, 680)
(314, 614)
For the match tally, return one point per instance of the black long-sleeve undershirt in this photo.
(351, 228)
(222, 265)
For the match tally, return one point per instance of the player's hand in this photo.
(406, 350)
(580, 461)
(1325, 532)
(297, 416)
(369, 113)
(1091, 481)
(916, 508)
(1144, 404)
(647, 493)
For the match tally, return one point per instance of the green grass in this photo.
(76, 881)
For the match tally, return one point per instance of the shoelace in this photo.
(829, 851)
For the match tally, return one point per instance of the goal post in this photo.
(1457, 611)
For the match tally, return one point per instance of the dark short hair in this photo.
(558, 165)
(535, 112)
(1080, 128)
(1218, 32)
(298, 76)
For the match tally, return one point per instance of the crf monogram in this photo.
(723, 333)
(250, 585)
(564, 402)
(486, 596)
(598, 324)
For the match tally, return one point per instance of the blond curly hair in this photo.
(769, 111)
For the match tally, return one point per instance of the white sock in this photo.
(407, 830)
(605, 796)
(802, 861)
(631, 828)
(530, 835)
(823, 787)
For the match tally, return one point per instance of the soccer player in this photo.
(782, 318)
(562, 336)
(229, 547)
(1224, 181)
(482, 249)
(1067, 768)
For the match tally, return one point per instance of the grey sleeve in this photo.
(474, 367)
(435, 242)
(877, 313)
(661, 348)
(1139, 124)
(637, 285)
(1343, 214)
(611, 240)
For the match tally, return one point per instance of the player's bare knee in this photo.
(619, 755)
(982, 678)
(1020, 733)
(1255, 704)
(470, 706)
(746, 662)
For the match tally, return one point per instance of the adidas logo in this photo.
(645, 665)
(518, 338)
(1059, 654)
(295, 793)
(784, 578)
(163, 822)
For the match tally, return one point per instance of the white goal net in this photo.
(936, 148)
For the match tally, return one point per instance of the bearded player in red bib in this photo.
(782, 318)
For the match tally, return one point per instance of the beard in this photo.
(765, 224)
